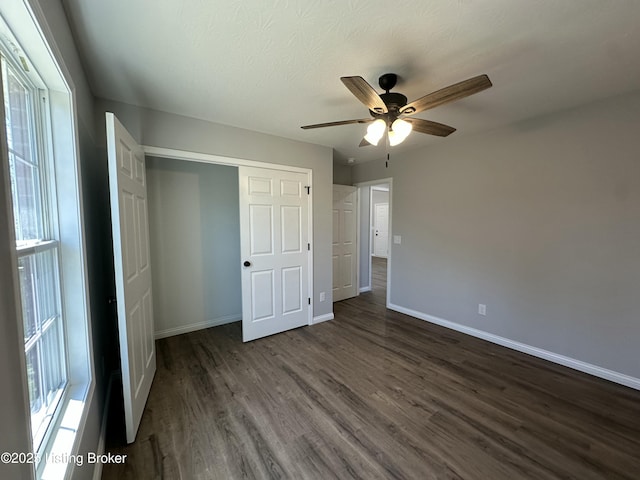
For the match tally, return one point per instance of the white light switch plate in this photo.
(397, 239)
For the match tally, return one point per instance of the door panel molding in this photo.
(380, 230)
(129, 220)
(274, 226)
(344, 243)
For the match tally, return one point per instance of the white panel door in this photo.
(128, 191)
(274, 246)
(345, 265)
(381, 230)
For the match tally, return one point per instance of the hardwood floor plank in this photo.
(375, 394)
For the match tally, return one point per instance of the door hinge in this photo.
(308, 189)
(309, 300)
(309, 246)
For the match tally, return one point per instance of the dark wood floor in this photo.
(375, 394)
(379, 280)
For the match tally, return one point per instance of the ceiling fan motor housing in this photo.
(394, 102)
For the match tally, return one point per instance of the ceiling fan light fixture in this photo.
(385, 108)
(375, 131)
(401, 127)
(399, 131)
(394, 138)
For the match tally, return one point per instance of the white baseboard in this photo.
(322, 318)
(579, 365)
(192, 327)
(100, 448)
(365, 289)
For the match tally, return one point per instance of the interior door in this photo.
(381, 230)
(345, 266)
(275, 251)
(128, 192)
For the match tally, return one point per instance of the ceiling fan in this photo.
(390, 111)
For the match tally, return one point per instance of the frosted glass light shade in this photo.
(394, 138)
(375, 131)
(400, 129)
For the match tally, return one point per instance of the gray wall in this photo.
(341, 173)
(194, 227)
(539, 221)
(161, 129)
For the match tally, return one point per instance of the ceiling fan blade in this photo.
(365, 93)
(342, 122)
(448, 94)
(364, 143)
(429, 127)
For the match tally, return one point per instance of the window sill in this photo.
(59, 458)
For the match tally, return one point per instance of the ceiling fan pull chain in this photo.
(387, 143)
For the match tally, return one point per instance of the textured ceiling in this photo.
(274, 65)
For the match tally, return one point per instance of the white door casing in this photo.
(275, 251)
(381, 230)
(129, 220)
(344, 244)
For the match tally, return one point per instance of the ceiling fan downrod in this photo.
(394, 101)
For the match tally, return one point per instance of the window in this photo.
(37, 247)
(39, 160)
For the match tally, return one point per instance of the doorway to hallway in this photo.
(374, 240)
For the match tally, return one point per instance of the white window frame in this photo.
(24, 27)
(40, 145)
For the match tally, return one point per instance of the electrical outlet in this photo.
(322, 297)
(482, 309)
